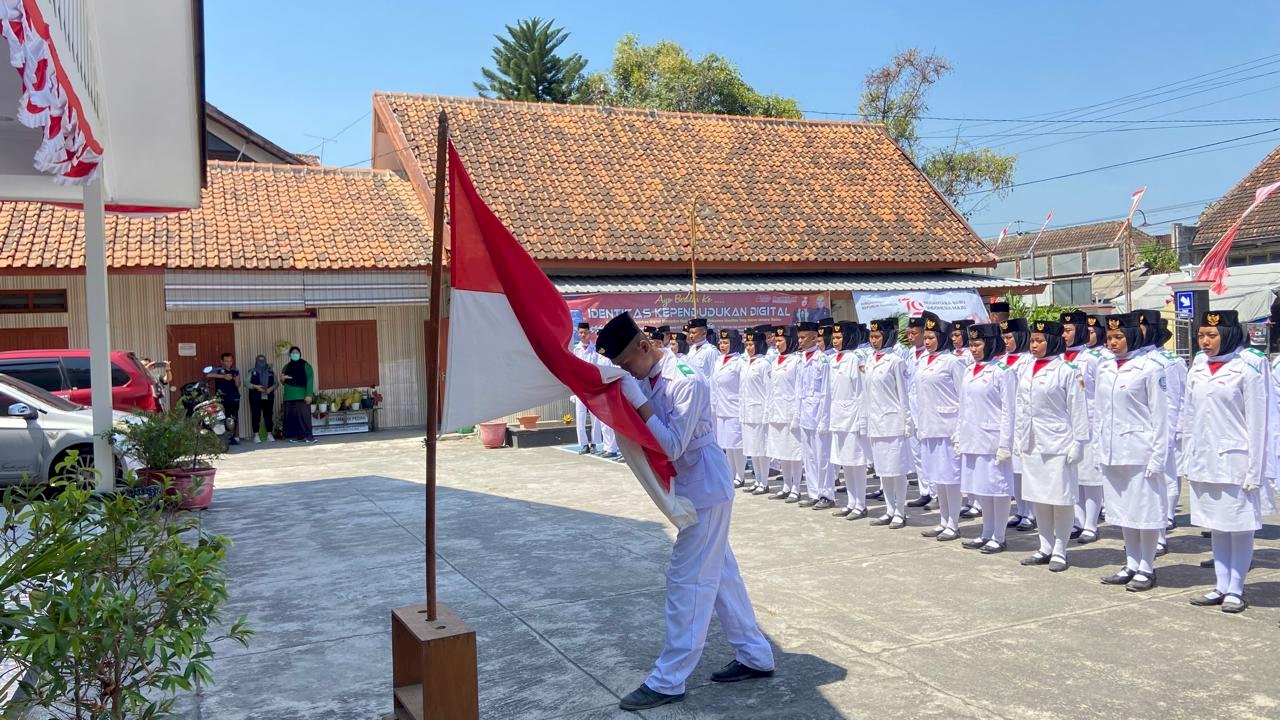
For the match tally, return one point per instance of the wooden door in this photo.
(38, 338)
(194, 347)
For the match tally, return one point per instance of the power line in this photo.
(1109, 130)
(1120, 164)
(1208, 122)
(1074, 223)
(333, 137)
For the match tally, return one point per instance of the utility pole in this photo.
(1128, 267)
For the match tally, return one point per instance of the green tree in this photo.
(663, 76)
(526, 66)
(896, 95)
(1158, 257)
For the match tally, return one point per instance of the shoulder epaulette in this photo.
(1171, 355)
(685, 370)
(1254, 351)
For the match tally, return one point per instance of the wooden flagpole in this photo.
(433, 357)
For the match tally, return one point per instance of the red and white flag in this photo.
(1214, 266)
(1034, 242)
(508, 349)
(1135, 198)
(1004, 233)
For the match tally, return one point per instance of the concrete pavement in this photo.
(557, 562)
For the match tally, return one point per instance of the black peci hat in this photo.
(807, 327)
(696, 323)
(916, 322)
(584, 326)
(1229, 328)
(1000, 306)
(1047, 327)
(616, 335)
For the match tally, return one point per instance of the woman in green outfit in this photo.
(299, 388)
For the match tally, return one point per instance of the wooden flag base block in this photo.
(433, 665)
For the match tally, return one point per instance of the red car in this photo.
(66, 373)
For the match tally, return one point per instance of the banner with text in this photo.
(950, 305)
(722, 309)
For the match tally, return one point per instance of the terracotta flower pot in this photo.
(528, 422)
(183, 482)
(493, 434)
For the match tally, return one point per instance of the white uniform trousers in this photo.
(819, 482)
(609, 438)
(703, 576)
(581, 417)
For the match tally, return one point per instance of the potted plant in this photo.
(493, 434)
(174, 452)
(322, 402)
(528, 422)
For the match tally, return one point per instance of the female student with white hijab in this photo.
(850, 445)
(1017, 348)
(1131, 441)
(752, 401)
(984, 435)
(1225, 445)
(938, 381)
(783, 415)
(1052, 428)
(1077, 337)
(726, 388)
(889, 422)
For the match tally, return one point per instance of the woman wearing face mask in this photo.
(1132, 435)
(984, 436)
(938, 381)
(889, 423)
(753, 401)
(261, 388)
(1076, 336)
(1051, 429)
(785, 443)
(1224, 450)
(726, 387)
(299, 388)
(1017, 348)
(850, 446)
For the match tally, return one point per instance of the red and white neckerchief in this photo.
(879, 355)
(1041, 363)
(1216, 365)
(1011, 358)
(839, 355)
(918, 351)
(726, 359)
(1071, 355)
(932, 357)
(977, 368)
(782, 358)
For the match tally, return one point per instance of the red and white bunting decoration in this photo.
(1004, 233)
(510, 351)
(68, 150)
(1135, 198)
(1214, 266)
(1047, 218)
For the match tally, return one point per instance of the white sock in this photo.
(1062, 517)
(855, 480)
(1131, 548)
(1147, 540)
(949, 499)
(737, 461)
(760, 466)
(900, 496)
(1221, 559)
(1241, 556)
(1088, 506)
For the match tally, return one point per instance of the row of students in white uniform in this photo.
(1063, 417)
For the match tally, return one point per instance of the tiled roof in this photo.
(1076, 237)
(308, 158)
(253, 216)
(1263, 222)
(590, 185)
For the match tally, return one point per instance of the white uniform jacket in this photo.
(703, 358)
(1131, 414)
(987, 412)
(885, 398)
(753, 395)
(814, 390)
(1224, 420)
(681, 423)
(1050, 415)
(726, 386)
(914, 357)
(847, 387)
(938, 381)
(1175, 373)
(784, 398)
(965, 355)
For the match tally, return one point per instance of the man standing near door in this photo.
(227, 381)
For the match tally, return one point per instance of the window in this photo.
(1042, 267)
(1104, 260)
(77, 369)
(1005, 269)
(26, 301)
(44, 374)
(1068, 264)
(1074, 292)
(347, 354)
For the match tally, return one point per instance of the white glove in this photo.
(911, 427)
(955, 443)
(1249, 485)
(1003, 455)
(632, 391)
(574, 399)
(1075, 452)
(1155, 474)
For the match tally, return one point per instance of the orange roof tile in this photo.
(598, 185)
(252, 216)
(1262, 224)
(1093, 236)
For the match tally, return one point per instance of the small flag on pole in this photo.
(1135, 198)
(1214, 266)
(1004, 233)
(508, 352)
(1047, 218)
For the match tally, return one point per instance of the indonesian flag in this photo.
(1004, 233)
(1214, 266)
(1135, 198)
(509, 348)
(1036, 241)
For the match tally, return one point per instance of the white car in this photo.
(38, 429)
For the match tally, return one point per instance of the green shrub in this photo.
(167, 440)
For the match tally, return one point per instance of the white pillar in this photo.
(95, 285)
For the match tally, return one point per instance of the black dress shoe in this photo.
(1162, 549)
(808, 503)
(643, 698)
(842, 489)
(858, 514)
(1026, 525)
(584, 450)
(931, 533)
(875, 495)
(882, 520)
(760, 491)
(898, 523)
(948, 535)
(780, 495)
(1087, 536)
(793, 498)
(1234, 607)
(1036, 558)
(922, 501)
(1013, 521)
(739, 483)
(1171, 525)
(843, 512)
(1122, 577)
(1209, 600)
(737, 672)
(1141, 584)
(1075, 533)
(993, 548)
(975, 544)
(970, 512)
(824, 504)
(747, 489)
(1206, 563)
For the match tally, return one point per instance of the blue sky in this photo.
(292, 70)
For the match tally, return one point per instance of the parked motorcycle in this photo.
(208, 410)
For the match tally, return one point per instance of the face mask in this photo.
(295, 356)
